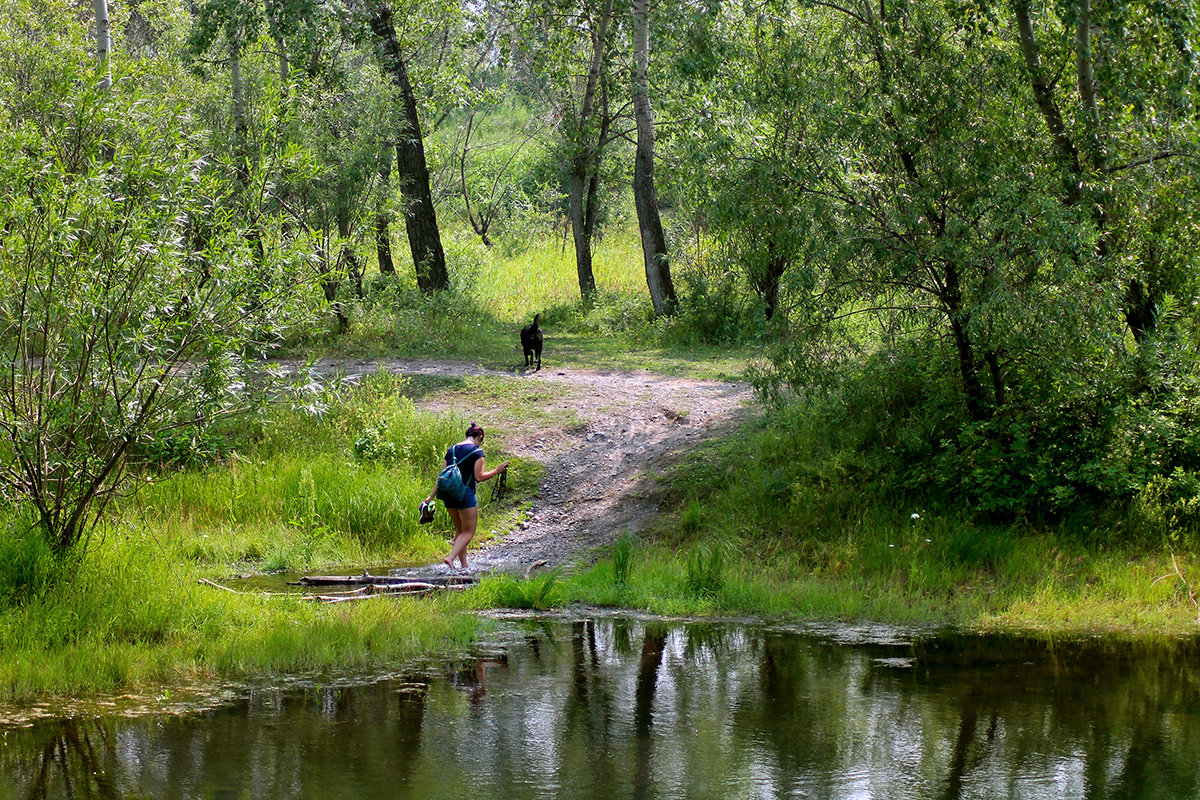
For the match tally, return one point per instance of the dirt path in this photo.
(603, 436)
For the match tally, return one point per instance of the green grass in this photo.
(131, 616)
(749, 533)
(1104, 593)
(496, 291)
(302, 493)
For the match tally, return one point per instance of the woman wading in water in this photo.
(465, 512)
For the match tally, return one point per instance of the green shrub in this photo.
(893, 426)
(716, 307)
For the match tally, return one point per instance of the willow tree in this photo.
(952, 272)
(103, 43)
(1120, 130)
(112, 332)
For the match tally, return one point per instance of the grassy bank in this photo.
(743, 532)
(753, 530)
(133, 617)
(294, 492)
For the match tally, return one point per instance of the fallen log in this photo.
(411, 589)
(366, 579)
(364, 591)
(411, 586)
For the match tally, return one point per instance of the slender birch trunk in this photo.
(654, 242)
(103, 43)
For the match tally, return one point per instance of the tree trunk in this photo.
(103, 43)
(241, 128)
(1087, 85)
(108, 149)
(383, 245)
(330, 284)
(383, 228)
(654, 243)
(1043, 95)
(1141, 309)
(968, 366)
(241, 144)
(768, 285)
(579, 232)
(420, 218)
(285, 64)
(347, 258)
(585, 165)
(999, 390)
(1140, 302)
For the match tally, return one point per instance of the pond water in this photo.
(612, 707)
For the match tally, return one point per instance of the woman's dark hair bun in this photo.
(474, 430)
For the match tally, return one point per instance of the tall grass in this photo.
(303, 492)
(515, 282)
(132, 616)
(540, 591)
(341, 487)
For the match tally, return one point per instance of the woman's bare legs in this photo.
(466, 520)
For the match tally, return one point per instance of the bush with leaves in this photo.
(130, 300)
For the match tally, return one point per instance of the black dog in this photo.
(531, 342)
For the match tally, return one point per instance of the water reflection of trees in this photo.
(70, 758)
(634, 709)
(718, 709)
(269, 745)
(980, 718)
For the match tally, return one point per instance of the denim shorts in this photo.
(468, 500)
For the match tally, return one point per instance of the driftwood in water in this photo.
(438, 581)
(372, 585)
(409, 588)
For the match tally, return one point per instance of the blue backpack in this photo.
(451, 486)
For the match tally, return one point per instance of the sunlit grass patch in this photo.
(133, 615)
(495, 291)
(539, 591)
(516, 283)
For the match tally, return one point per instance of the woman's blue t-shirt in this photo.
(467, 464)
